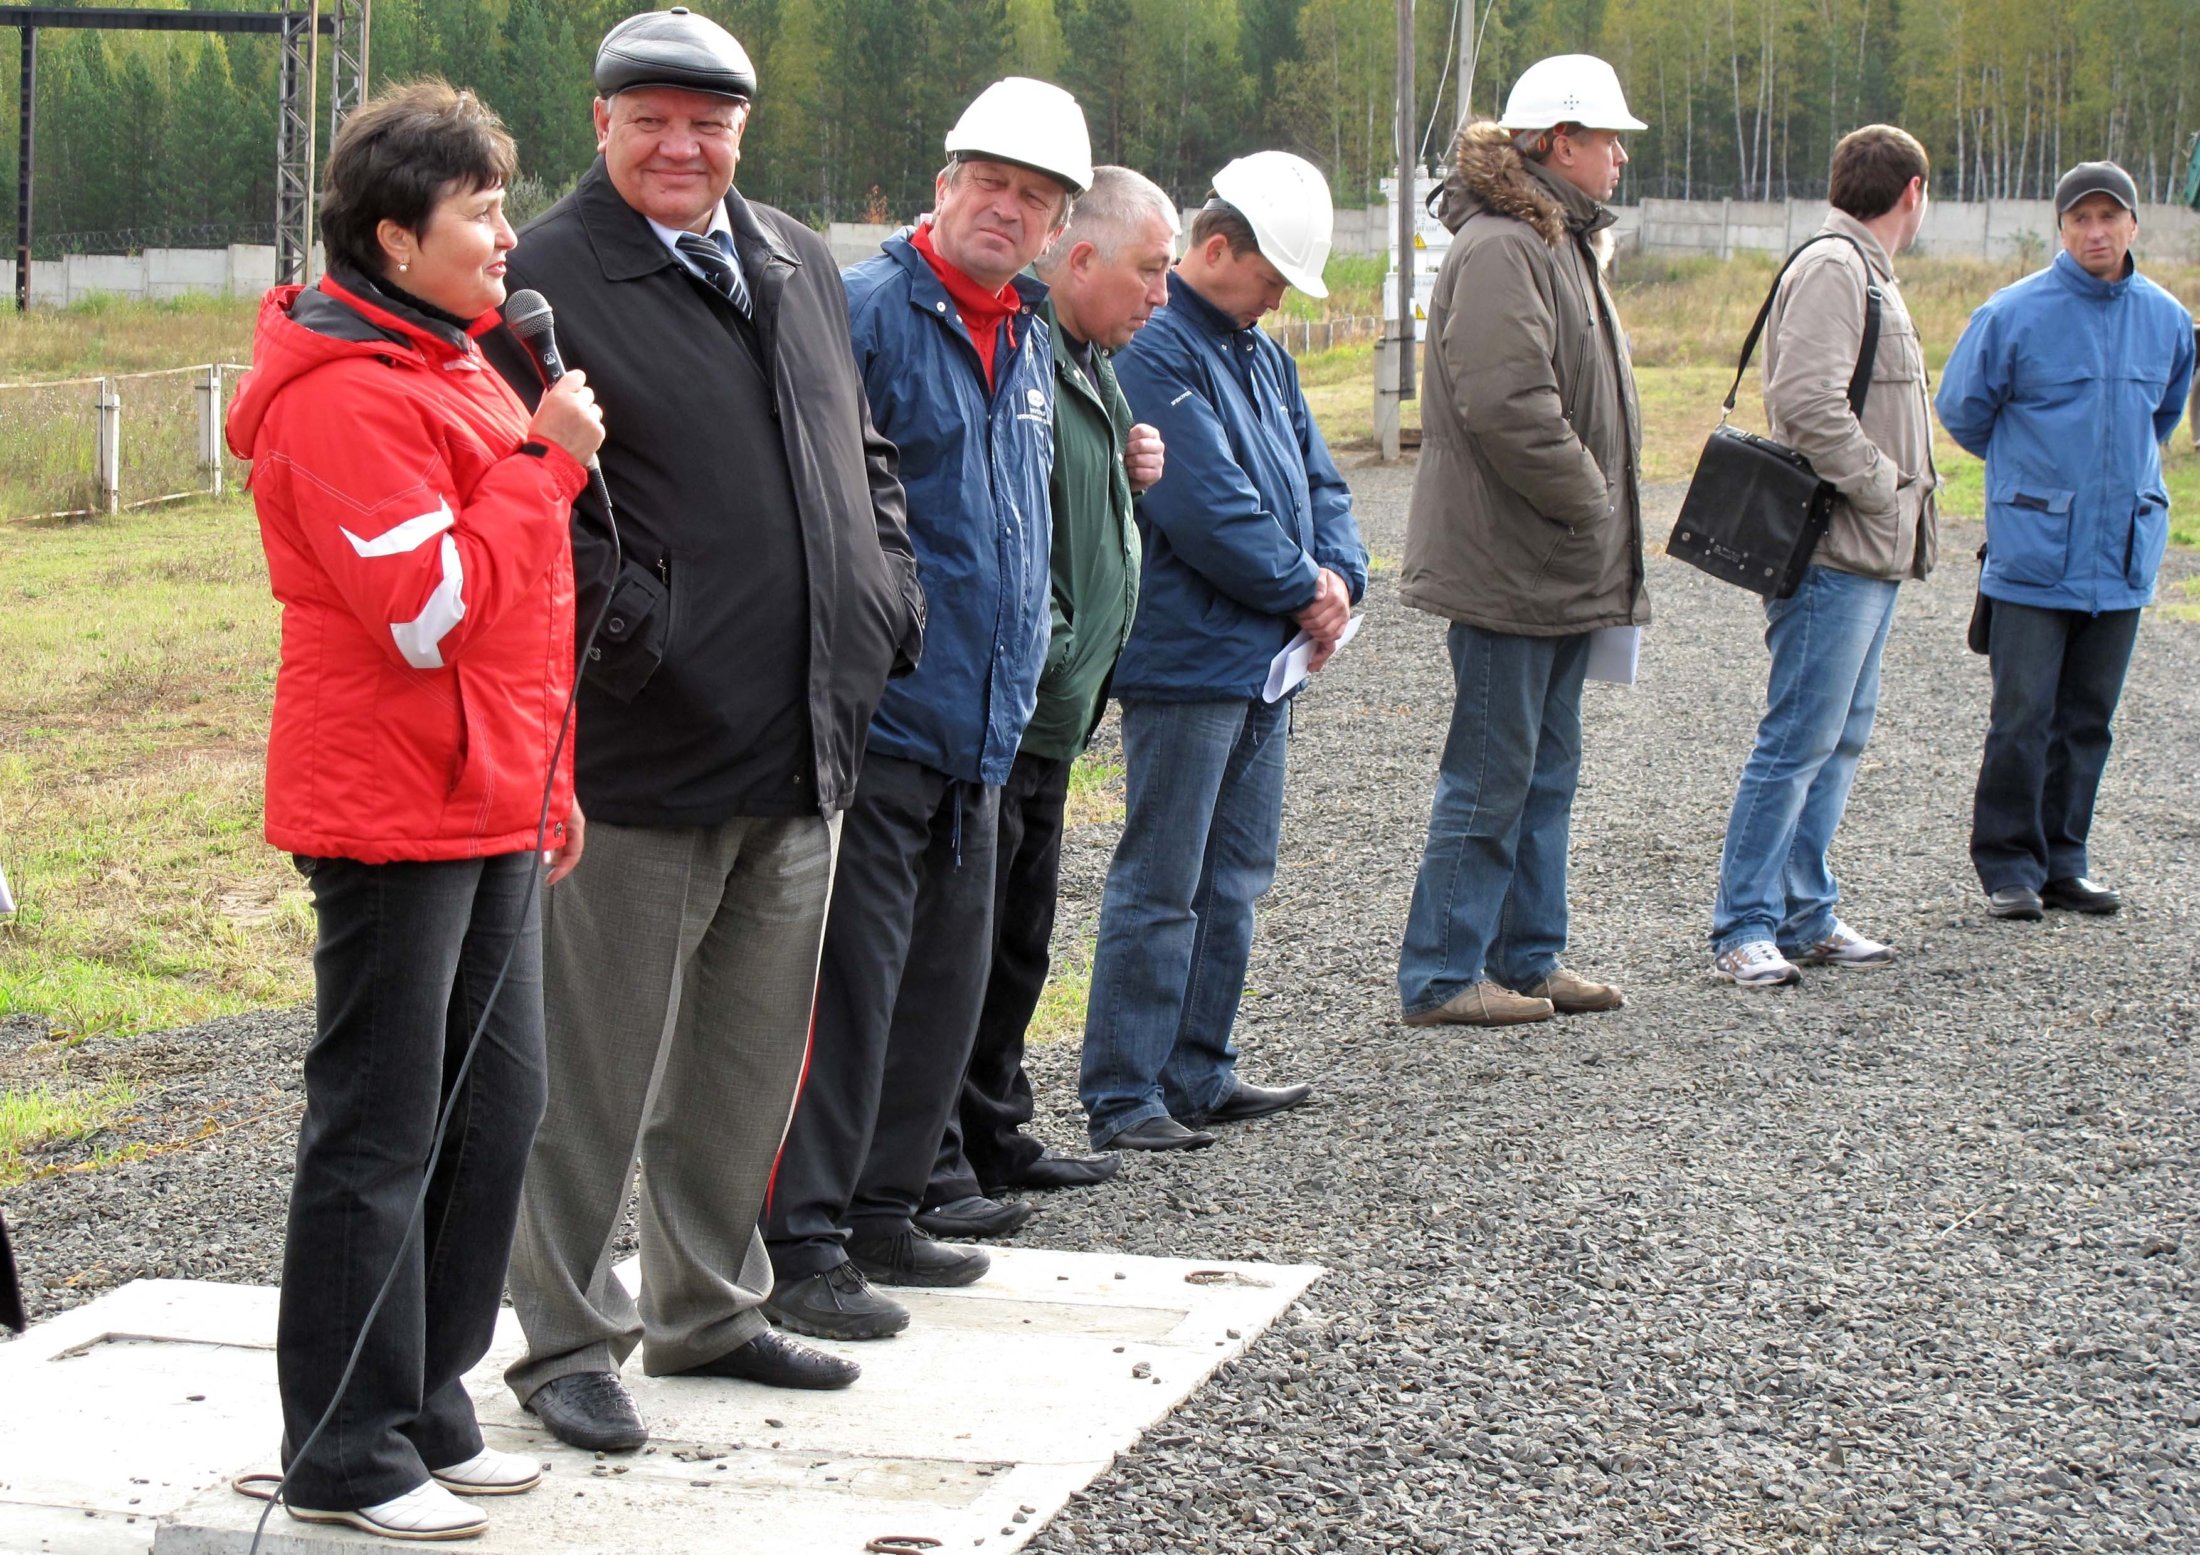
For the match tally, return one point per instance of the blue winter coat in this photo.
(1249, 511)
(976, 474)
(2066, 386)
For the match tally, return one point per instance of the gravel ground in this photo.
(1894, 1261)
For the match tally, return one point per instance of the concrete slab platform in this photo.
(126, 1418)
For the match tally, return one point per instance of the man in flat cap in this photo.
(2066, 383)
(959, 369)
(765, 590)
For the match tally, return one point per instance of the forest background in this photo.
(154, 139)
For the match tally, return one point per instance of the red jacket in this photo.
(425, 569)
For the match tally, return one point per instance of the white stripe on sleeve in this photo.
(411, 535)
(420, 640)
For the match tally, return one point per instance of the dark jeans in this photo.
(406, 957)
(907, 940)
(2057, 677)
(1490, 898)
(985, 1145)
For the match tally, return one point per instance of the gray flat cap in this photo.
(2096, 178)
(674, 48)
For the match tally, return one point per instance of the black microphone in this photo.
(527, 315)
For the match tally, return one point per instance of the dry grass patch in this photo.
(119, 335)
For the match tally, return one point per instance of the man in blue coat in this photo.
(2066, 383)
(1249, 539)
(958, 370)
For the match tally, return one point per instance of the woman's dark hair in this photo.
(397, 155)
(1871, 168)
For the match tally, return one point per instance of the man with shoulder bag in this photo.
(1777, 895)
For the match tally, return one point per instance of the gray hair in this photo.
(1109, 213)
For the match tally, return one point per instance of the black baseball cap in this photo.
(674, 48)
(2096, 178)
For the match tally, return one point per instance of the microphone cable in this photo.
(473, 1043)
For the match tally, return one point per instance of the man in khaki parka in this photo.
(1525, 533)
(1776, 900)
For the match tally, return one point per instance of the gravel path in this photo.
(1894, 1261)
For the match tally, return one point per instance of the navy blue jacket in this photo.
(975, 471)
(2067, 386)
(1249, 511)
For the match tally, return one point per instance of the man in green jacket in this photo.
(1107, 272)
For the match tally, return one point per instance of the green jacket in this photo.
(1095, 554)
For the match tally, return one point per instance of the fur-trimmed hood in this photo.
(1488, 174)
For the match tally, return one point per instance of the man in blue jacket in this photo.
(1249, 539)
(2066, 384)
(957, 366)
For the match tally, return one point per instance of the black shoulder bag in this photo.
(1756, 510)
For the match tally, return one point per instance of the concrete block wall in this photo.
(240, 270)
(1980, 229)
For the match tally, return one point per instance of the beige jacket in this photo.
(1885, 520)
(1526, 514)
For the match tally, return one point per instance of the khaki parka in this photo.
(1526, 514)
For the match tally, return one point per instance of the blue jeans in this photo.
(1203, 812)
(2058, 675)
(1826, 638)
(1490, 900)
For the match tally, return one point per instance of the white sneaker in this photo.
(425, 1513)
(1756, 963)
(1843, 946)
(490, 1473)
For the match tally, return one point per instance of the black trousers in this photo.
(406, 958)
(984, 1144)
(2057, 677)
(907, 941)
(11, 1295)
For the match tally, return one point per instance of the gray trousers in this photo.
(680, 970)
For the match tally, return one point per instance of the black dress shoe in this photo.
(2020, 902)
(591, 1410)
(778, 1362)
(976, 1216)
(1059, 1169)
(918, 1258)
(2078, 894)
(837, 1304)
(1256, 1101)
(1162, 1133)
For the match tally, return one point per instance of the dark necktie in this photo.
(717, 267)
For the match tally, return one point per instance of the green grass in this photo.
(1061, 1010)
(32, 1119)
(1095, 792)
(106, 334)
(137, 662)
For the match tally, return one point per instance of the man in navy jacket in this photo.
(1249, 539)
(2066, 383)
(956, 364)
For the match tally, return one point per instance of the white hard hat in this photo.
(1285, 200)
(1568, 89)
(1034, 124)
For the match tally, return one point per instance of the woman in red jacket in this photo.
(415, 522)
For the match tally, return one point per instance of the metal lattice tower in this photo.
(301, 43)
(347, 73)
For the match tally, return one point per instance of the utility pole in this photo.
(1467, 41)
(1408, 152)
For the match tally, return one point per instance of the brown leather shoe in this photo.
(1485, 1004)
(1572, 994)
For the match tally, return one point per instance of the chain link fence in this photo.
(82, 447)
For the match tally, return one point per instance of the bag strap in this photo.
(1860, 381)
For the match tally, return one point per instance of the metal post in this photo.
(209, 392)
(25, 138)
(108, 447)
(1408, 153)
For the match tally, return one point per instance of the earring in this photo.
(403, 265)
